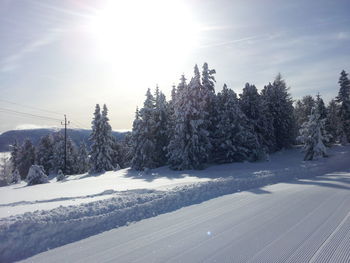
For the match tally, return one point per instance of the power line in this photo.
(31, 107)
(79, 125)
(28, 114)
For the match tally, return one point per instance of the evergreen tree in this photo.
(303, 109)
(343, 99)
(280, 105)
(161, 128)
(208, 101)
(125, 150)
(333, 123)
(171, 115)
(107, 142)
(44, 153)
(72, 165)
(190, 146)
(235, 140)
(144, 136)
(256, 111)
(82, 159)
(116, 153)
(137, 141)
(313, 136)
(101, 138)
(59, 153)
(26, 158)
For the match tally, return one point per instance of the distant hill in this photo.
(77, 135)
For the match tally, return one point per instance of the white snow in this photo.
(77, 189)
(297, 221)
(116, 198)
(4, 155)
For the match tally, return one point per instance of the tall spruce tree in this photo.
(343, 99)
(171, 115)
(144, 135)
(137, 142)
(208, 99)
(161, 118)
(235, 140)
(256, 111)
(101, 139)
(107, 141)
(280, 105)
(190, 146)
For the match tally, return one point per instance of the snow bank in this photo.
(31, 233)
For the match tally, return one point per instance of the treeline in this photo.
(197, 127)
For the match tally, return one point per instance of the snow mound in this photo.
(36, 175)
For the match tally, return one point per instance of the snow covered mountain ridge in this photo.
(77, 135)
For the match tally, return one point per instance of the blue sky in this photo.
(67, 55)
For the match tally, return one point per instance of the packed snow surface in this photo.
(78, 189)
(299, 221)
(58, 213)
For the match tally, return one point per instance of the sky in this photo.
(64, 56)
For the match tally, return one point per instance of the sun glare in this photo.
(151, 32)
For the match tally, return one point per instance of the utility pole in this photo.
(65, 141)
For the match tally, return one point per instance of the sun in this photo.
(152, 32)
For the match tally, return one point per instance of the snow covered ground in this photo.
(87, 205)
(298, 221)
(78, 189)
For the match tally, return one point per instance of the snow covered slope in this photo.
(79, 189)
(104, 202)
(299, 221)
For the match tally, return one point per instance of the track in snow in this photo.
(299, 221)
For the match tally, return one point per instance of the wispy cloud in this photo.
(343, 36)
(13, 61)
(239, 40)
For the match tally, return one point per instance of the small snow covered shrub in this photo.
(60, 175)
(36, 175)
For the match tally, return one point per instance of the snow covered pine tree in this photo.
(101, 138)
(343, 99)
(313, 135)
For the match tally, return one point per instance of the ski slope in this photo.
(304, 220)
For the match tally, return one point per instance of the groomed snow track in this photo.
(297, 221)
